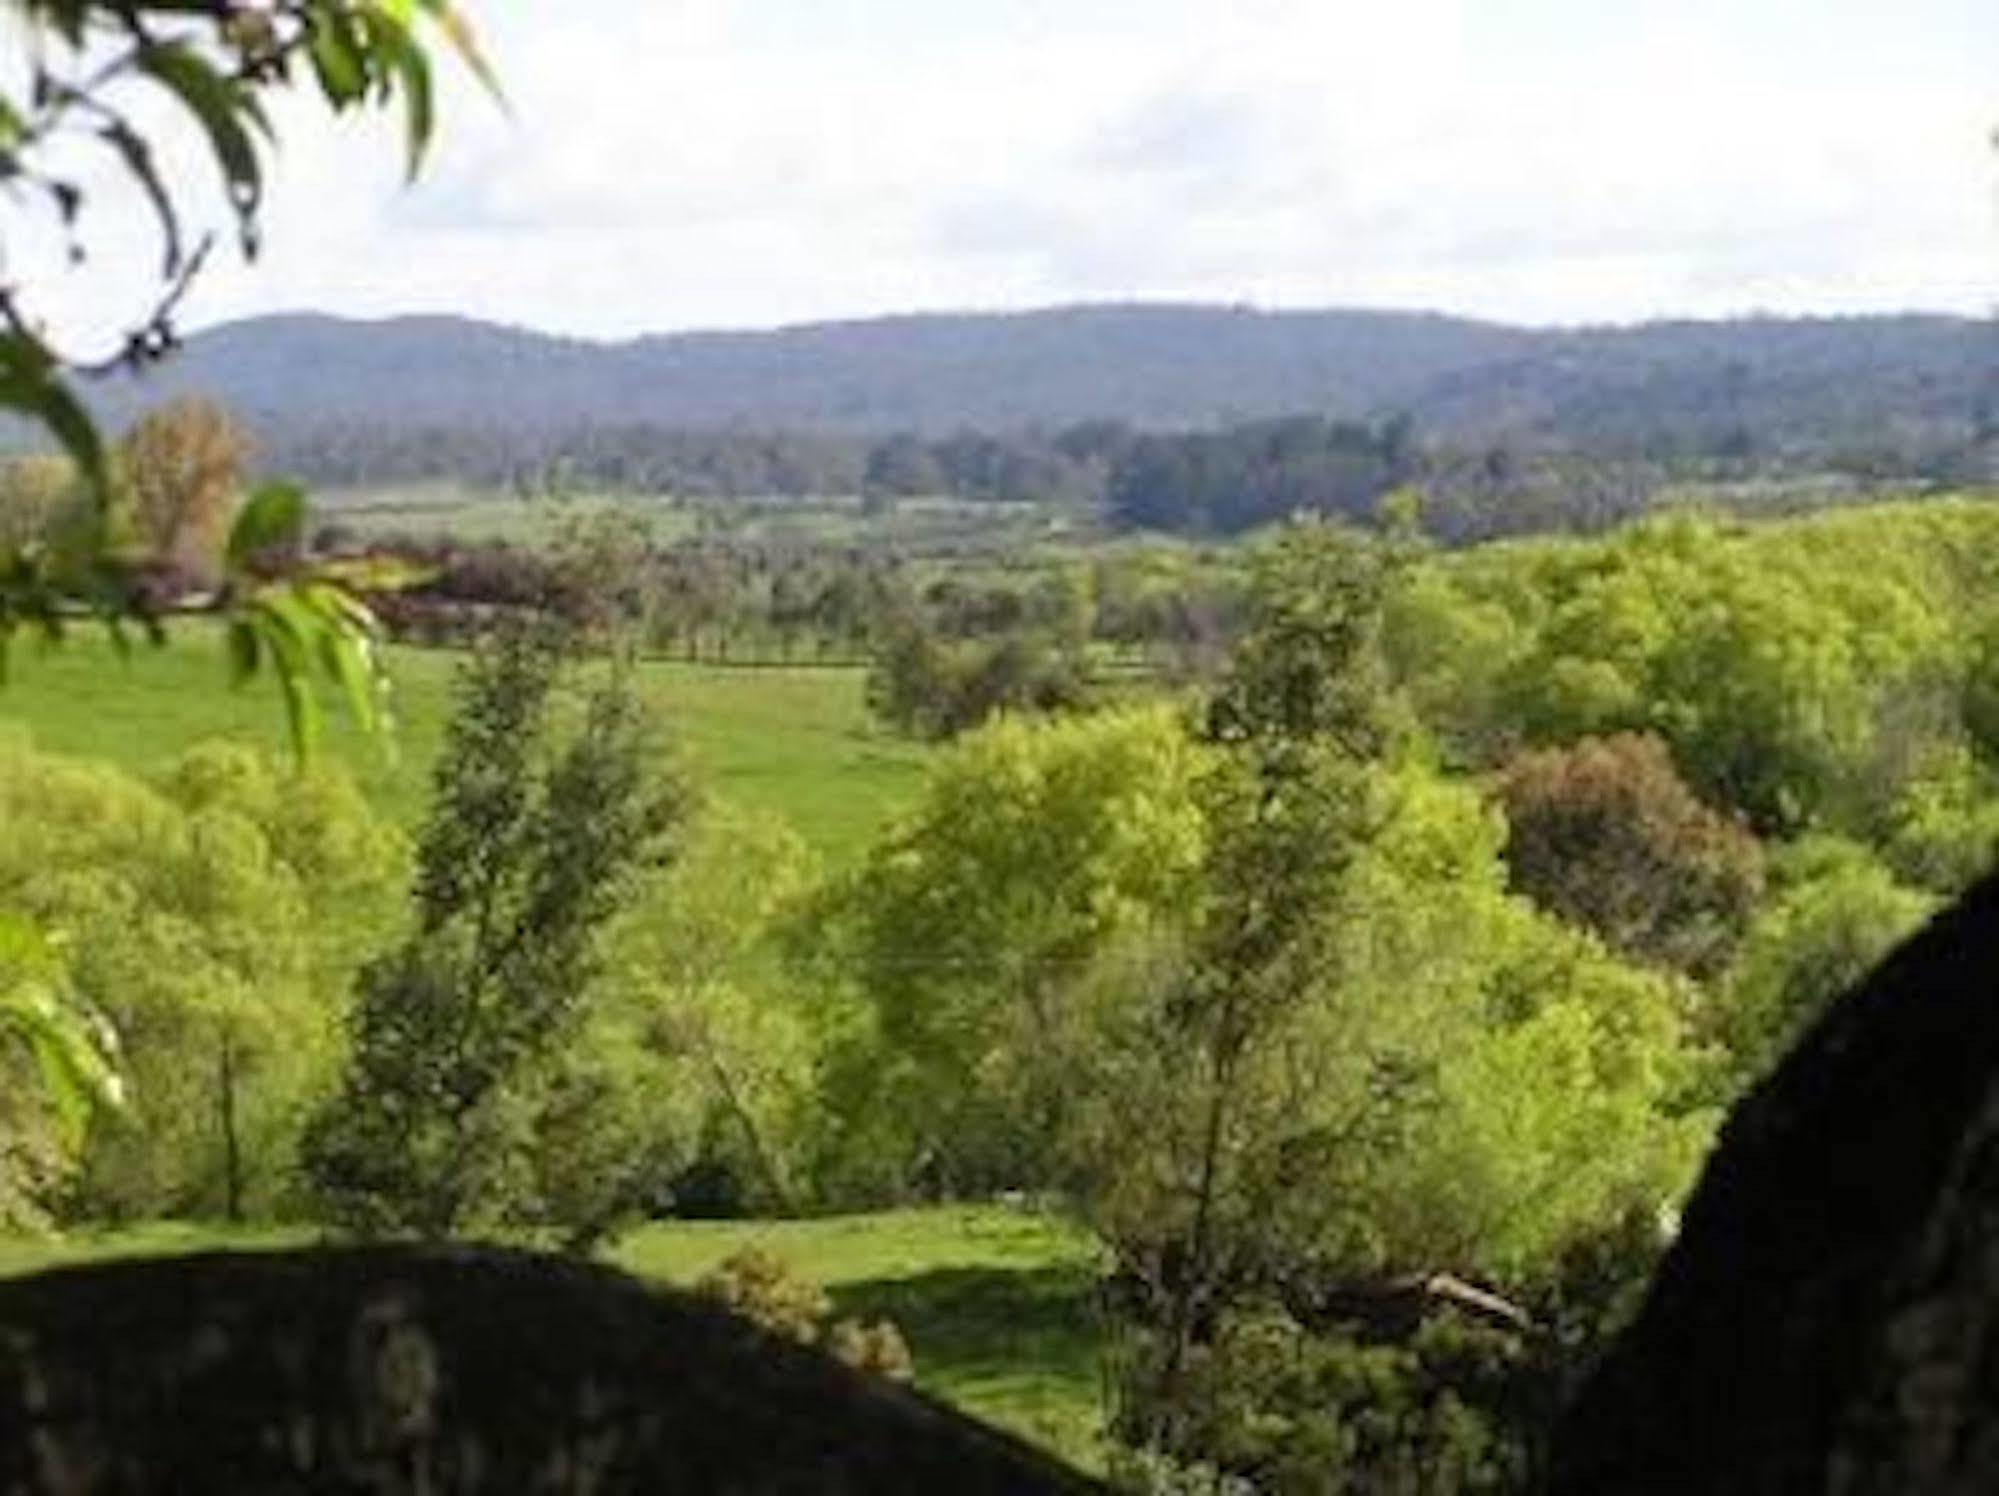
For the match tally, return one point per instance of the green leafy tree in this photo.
(1836, 912)
(1036, 848)
(215, 918)
(1298, 724)
(698, 985)
(533, 839)
(48, 1027)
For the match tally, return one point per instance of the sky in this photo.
(671, 164)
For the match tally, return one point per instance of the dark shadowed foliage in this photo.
(1825, 1321)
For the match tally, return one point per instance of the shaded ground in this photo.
(446, 1371)
(996, 1304)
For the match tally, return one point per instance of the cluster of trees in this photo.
(741, 603)
(1225, 482)
(1372, 1005)
(172, 488)
(212, 916)
(1209, 482)
(1372, 999)
(948, 643)
(1065, 468)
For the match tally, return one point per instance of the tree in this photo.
(1605, 835)
(182, 467)
(1837, 911)
(214, 917)
(533, 838)
(1036, 849)
(36, 495)
(45, 1021)
(1297, 725)
(697, 982)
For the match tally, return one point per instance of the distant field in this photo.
(912, 525)
(437, 510)
(995, 1304)
(798, 743)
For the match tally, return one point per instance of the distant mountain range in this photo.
(1808, 381)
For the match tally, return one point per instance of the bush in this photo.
(1606, 835)
(877, 1348)
(764, 1289)
(930, 688)
(1453, 1409)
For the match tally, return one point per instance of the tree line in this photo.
(1205, 482)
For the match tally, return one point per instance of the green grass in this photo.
(470, 514)
(995, 1303)
(20, 1255)
(440, 511)
(796, 742)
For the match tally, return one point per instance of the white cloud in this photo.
(706, 162)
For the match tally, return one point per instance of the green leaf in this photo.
(223, 108)
(347, 660)
(419, 106)
(273, 519)
(375, 573)
(337, 58)
(74, 1051)
(133, 149)
(289, 629)
(403, 67)
(30, 383)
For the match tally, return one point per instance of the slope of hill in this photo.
(1153, 366)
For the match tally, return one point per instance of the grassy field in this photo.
(995, 1303)
(797, 742)
(439, 511)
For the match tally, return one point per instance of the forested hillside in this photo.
(892, 404)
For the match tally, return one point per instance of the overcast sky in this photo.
(699, 163)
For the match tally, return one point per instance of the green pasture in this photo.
(795, 742)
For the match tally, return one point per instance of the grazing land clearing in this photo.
(797, 743)
(995, 1304)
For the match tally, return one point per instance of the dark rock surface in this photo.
(446, 1371)
(1828, 1320)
